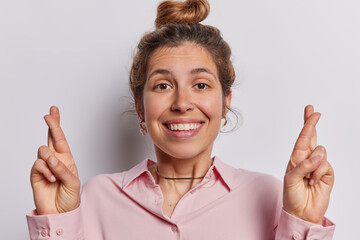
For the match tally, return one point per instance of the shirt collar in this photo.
(225, 172)
(137, 171)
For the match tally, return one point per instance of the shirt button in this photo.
(174, 228)
(44, 233)
(296, 236)
(59, 232)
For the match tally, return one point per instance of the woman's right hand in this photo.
(54, 177)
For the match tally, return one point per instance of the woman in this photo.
(181, 81)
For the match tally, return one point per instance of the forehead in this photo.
(185, 56)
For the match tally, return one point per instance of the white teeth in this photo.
(183, 127)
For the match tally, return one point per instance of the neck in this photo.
(171, 167)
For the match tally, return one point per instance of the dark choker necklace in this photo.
(170, 178)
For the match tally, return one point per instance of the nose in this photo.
(182, 102)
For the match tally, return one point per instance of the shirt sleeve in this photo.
(61, 226)
(291, 227)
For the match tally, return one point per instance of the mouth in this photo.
(183, 128)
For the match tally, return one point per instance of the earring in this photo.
(225, 121)
(143, 129)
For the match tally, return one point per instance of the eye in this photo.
(162, 86)
(201, 86)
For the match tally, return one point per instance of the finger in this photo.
(328, 177)
(322, 170)
(313, 140)
(319, 150)
(40, 167)
(50, 141)
(62, 173)
(309, 109)
(304, 139)
(56, 138)
(302, 148)
(318, 153)
(44, 152)
(302, 169)
(54, 111)
(323, 167)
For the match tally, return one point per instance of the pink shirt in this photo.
(228, 204)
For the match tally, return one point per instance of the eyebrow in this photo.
(202, 70)
(159, 71)
(194, 72)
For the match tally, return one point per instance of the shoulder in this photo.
(245, 179)
(117, 180)
(104, 182)
(261, 189)
(255, 191)
(113, 181)
(241, 178)
(256, 180)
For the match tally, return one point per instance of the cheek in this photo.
(212, 106)
(153, 107)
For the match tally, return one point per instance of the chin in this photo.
(180, 151)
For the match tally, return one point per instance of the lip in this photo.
(183, 134)
(182, 120)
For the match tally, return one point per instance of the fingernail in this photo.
(316, 159)
(52, 178)
(53, 160)
(312, 182)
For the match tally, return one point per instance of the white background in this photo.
(77, 55)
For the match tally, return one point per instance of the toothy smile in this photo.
(183, 126)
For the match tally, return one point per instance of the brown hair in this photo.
(178, 22)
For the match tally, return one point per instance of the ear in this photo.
(227, 102)
(139, 109)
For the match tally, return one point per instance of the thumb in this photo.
(302, 169)
(62, 173)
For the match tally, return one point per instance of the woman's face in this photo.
(183, 101)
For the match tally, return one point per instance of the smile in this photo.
(183, 126)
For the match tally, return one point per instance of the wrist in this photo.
(302, 216)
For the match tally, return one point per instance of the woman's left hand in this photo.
(309, 176)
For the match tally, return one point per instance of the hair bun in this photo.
(188, 12)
